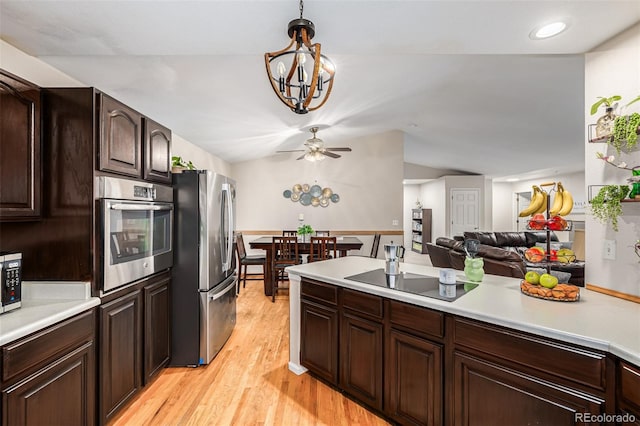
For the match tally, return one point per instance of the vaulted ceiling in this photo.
(462, 79)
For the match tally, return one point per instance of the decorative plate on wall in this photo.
(311, 195)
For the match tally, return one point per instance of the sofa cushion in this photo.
(539, 237)
(498, 253)
(511, 239)
(487, 238)
(449, 243)
(439, 255)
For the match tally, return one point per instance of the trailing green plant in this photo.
(177, 161)
(606, 206)
(305, 229)
(625, 131)
(608, 102)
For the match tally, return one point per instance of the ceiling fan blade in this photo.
(331, 154)
(293, 150)
(301, 157)
(339, 149)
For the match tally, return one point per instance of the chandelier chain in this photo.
(301, 7)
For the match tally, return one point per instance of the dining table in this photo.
(343, 245)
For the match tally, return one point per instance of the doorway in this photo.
(523, 199)
(465, 211)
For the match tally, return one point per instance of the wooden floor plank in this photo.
(248, 383)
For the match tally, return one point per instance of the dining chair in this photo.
(374, 247)
(285, 253)
(322, 248)
(322, 234)
(290, 233)
(244, 261)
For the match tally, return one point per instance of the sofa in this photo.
(503, 254)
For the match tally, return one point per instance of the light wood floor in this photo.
(248, 383)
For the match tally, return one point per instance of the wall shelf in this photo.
(420, 230)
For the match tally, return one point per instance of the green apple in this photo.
(548, 281)
(532, 277)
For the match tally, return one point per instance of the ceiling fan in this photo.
(315, 149)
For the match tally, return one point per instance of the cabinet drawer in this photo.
(630, 384)
(362, 302)
(562, 360)
(422, 320)
(322, 292)
(31, 352)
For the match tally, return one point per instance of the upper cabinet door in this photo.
(20, 164)
(120, 138)
(157, 152)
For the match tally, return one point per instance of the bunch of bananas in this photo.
(562, 203)
(538, 202)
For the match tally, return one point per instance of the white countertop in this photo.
(44, 304)
(596, 321)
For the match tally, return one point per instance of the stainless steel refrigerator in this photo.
(203, 275)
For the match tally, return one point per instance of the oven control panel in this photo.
(11, 281)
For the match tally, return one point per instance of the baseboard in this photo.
(296, 368)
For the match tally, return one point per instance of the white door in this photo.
(523, 199)
(465, 210)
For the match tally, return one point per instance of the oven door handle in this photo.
(139, 207)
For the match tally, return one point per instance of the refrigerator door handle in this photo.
(221, 293)
(227, 197)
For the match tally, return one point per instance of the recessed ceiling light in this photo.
(548, 30)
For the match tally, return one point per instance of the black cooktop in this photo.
(422, 285)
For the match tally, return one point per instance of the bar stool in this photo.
(244, 261)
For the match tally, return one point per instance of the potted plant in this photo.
(606, 205)
(305, 230)
(178, 164)
(605, 124)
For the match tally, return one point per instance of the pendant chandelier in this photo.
(300, 74)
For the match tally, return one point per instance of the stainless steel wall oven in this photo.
(136, 230)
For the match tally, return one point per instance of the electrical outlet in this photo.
(395, 222)
(609, 249)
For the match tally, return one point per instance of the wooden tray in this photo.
(560, 293)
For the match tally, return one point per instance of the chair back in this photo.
(322, 233)
(242, 253)
(374, 247)
(290, 233)
(285, 250)
(322, 248)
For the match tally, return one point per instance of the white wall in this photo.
(613, 69)
(202, 159)
(368, 181)
(434, 197)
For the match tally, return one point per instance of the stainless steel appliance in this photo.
(137, 230)
(11, 281)
(203, 275)
(392, 254)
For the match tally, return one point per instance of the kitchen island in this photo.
(467, 357)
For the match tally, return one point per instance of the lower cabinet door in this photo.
(413, 380)
(488, 394)
(157, 344)
(63, 393)
(319, 340)
(120, 363)
(361, 359)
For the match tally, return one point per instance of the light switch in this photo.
(609, 249)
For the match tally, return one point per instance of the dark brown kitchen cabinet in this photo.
(628, 392)
(157, 152)
(157, 323)
(120, 138)
(319, 329)
(414, 364)
(541, 381)
(121, 345)
(20, 145)
(48, 378)
(361, 350)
